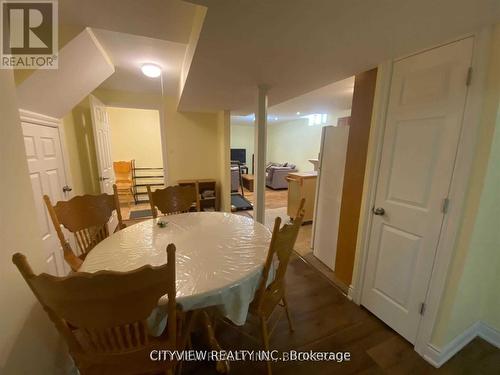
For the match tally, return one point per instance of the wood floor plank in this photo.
(325, 320)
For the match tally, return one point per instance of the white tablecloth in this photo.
(219, 257)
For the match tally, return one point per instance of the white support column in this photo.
(260, 154)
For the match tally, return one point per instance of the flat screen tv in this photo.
(239, 154)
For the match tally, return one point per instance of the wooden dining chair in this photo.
(123, 180)
(172, 200)
(103, 316)
(87, 217)
(271, 293)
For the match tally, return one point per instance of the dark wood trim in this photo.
(357, 148)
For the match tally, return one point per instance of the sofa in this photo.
(276, 175)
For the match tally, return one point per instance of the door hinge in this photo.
(422, 308)
(469, 76)
(445, 205)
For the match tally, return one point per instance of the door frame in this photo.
(42, 120)
(457, 191)
(160, 108)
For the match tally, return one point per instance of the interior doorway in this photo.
(316, 142)
(135, 151)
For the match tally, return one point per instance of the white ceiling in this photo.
(54, 92)
(160, 19)
(132, 33)
(129, 52)
(298, 46)
(331, 99)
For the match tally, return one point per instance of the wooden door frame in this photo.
(457, 191)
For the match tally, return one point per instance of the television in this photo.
(239, 154)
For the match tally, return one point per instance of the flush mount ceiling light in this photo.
(151, 70)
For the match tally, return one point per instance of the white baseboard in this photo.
(350, 292)
(439, 356)
(490, 334)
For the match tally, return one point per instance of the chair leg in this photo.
(290, 325)
(265, 339)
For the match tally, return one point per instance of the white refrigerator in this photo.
(331, 168)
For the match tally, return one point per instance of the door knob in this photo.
(66, 188)
(378, 211)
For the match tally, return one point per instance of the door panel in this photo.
(329, 193)
(411, 138)
(394, 269)
(102, 132)
(423, 125)
(46, 168)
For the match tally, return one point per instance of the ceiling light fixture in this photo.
(298, 113)
(151, 70)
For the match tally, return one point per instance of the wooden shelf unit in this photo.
(201, 185)
(142, 177)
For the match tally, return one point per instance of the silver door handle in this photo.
(103, 178)
(66, 189)
(378, 211)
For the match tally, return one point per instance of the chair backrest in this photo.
(172, 199)
(86, 216)
(280, 249)
(123, 170)
(103, 316)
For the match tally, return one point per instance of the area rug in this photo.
(139, 214)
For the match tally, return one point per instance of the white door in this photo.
(46, 168)
(329, 193)
(102, 137)
(424, 120)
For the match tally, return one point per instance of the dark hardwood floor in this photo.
(325, 320)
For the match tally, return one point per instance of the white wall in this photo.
(296, 142)
(29, 343)
(135, 134)
(242, 136)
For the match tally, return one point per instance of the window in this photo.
(316, 119)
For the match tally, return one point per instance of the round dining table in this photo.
(219, 257)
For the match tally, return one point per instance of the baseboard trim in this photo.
(439, 356)
(490, 334)
(350, 292)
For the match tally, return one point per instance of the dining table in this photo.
(219, 260)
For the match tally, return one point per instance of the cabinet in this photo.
(301, 185)
(206, 193)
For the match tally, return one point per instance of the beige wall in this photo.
(29, 343)
(193, 148)
(242, 136)
(472, 286)
(135, 134)
(296, 141)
